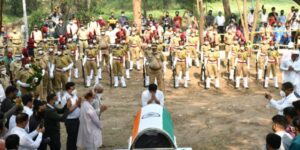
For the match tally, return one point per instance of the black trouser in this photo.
(72, 126)
(54, 143)
(294, 38)
(221, 31)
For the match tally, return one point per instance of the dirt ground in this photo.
(203, 119)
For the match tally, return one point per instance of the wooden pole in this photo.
(25, 21)
(1, 15)
(137, 4)
(246, 29)
(200, 9)
(257, 6)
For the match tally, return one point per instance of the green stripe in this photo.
(168, 123)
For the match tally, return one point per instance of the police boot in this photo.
(131, 65)
(127, 72)
(185, 82)
(91, 75)
(259, 74)
(276, 82)
(245, 80)
(138, 65)
(116, 81)
(123, 82)
(187, 75)
(176, 81)
(217, 83)
(99, 74)
(96, 80)
(237, 82)
(231, 74)
(88, 81)
(76, 73)
(147, 81)
(266, 84)
(207, 83)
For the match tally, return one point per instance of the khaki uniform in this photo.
(175, 42)
(134, 47)
(155, 68)
(41, 61)
(228, 42)
(45, 46)
(204, 51)
(266, 32)
(4, 78)
(118, 58)
(232, 55)
(37, 37)
(16, 43)
(2, 45)
(242, 69)
(192, 50)
(23, 75)
(83, 40)
(272, 65)
(212, 64)
(262, 57)
(15, 67)
(104, 42)
(181, 65)
(91, 63)
(60, 76)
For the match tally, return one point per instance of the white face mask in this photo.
(59, 52)
(74, 92)
(99, 95)
(3, 72)
(282, 93)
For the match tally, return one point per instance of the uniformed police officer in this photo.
(156, 67)
(242, 64)
(134, 42)
(180, 65)
(116, 61)
(212, 63)
(271, 64)
(90, 63)
(104, 44)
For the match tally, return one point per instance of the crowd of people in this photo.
(28, 123)
(41, 70)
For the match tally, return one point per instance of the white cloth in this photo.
(112, 35)
(286, 140)
(76, 113)
(12, 122)
(2, 94)
(220, 20)
(283, 103)
(250, 19)
(89, 133)
(146, 96)
(28, 111)
(290, 76)
(26, 140)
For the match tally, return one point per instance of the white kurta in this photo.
(291, 76)
(283, 103)
(146, 96)
(89, 133)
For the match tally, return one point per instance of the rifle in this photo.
(202, 73)
(228, 68)
(256, 67)
(83, 72)
(234, 75)
(144, 73)
(110, 70)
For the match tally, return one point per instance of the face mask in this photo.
(102, 33)
(3, 72)
(99, 95)
(272, 47)
(27, 66)
(41, 52)
(74, 92)
(59, 53)
(282, 93)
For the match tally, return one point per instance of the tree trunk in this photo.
(200, 9)
(89, 5)
(1, 12)
(246, 29)
(145, 7)
(25, 22)
(137, 4)
(257, 6)
(227, 10)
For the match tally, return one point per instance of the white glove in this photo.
(65, 69)
(23, 84)
(43, 72)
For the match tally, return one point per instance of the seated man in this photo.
(152, 96)
(288, 94)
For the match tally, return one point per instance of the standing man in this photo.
(112, 21)
(193, 45)
(233, 51)
(103, 53)
(60, 29)
(291, 69)
(123, 19)
(242, 65)
(90, 62)
(41, 62)
(61, 65)
(220, 21)
(177, 20)
(261, 58)
(212, 63)
(37, 36)
(116, 61)
(24, 74)
(83, 36)
(72, 101)
(181, 65)
(74, 54)
(209, 19)
(16, 40)
(271, 64)
(155, 67)
(134, 42)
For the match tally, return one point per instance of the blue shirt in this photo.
(282, 18)
(295, 145)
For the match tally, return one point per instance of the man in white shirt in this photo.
(287, 92)
(263, 17)
(72, 29)
(250, 17)
(26, 139)
(72, 121)
(291, 68)
(279, 125)
(112, 34)
(152, 96)
(27, 101)
(220, 21)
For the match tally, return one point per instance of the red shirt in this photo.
(177, 21)
(101, 22)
